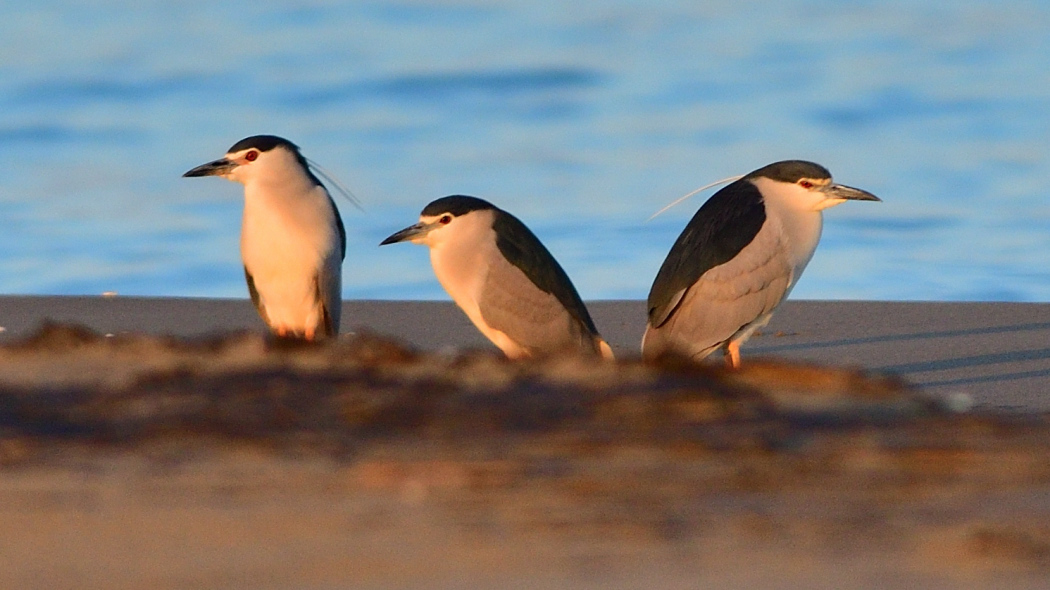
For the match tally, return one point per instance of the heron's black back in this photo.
(719, 230)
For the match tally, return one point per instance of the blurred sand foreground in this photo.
(235, 462)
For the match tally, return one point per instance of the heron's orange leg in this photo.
(732, 355)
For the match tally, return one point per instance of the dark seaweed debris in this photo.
(68, 384)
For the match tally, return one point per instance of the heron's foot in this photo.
(732, 355)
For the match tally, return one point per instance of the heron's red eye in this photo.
(805, 184)
(251, 156)
(445, 219)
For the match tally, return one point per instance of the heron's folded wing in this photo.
(533, 318)
(719, 230)
(523, 256)
(729, 297)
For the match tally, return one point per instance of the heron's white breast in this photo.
(794, 218)
(285, 228)
(461, 260)
(288, 235)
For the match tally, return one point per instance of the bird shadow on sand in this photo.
(945, 364)
(888, 338)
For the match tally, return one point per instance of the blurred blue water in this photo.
(581, 118)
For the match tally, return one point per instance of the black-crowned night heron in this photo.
(738, 258)
(505, 280)
(292, 238)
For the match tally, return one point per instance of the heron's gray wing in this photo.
(534, 319)
(254, 294)
(330, 277)
(335, 210)
(719, 230)
(339, 225)
(524, 250)
(330, 294)
(729, 297)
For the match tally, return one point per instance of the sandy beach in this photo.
(837, 457)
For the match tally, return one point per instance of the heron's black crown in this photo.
(263, 143)
(791, 171)
(456, 205)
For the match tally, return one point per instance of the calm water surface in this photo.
(581, 118)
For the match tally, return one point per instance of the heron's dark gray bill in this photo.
(406, 234)
(841, 191)
(216, 168)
